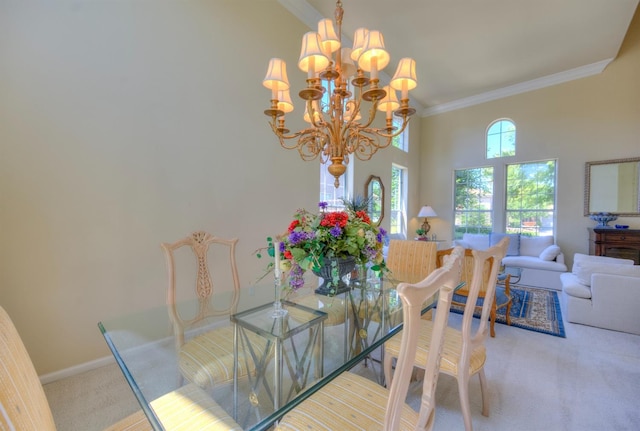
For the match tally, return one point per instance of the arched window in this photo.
(501, 139)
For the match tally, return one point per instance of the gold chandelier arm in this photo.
(310, 142)
(282, 136)
(363, 146)
(372, 114)
(381, 132)
(311, 146)
(321, 123)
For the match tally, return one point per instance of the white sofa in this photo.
(603, 292)
(540, 258)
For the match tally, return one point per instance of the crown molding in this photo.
(523, 87)
(310, 16)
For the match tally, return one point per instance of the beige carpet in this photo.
(587, 381)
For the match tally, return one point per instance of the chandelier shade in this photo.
(276, 77)
(374, 57)
(336, 96)
(359, 39)
(284, 101)
(389, 103)
(312, 55)
(328, 36)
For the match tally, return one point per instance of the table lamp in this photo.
(425, 212)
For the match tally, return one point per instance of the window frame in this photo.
(398, 215)
(533, 221)
(501, 134)
(401, 141)
(460, 229)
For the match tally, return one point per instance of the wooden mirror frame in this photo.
(587, 186)
(367, 195)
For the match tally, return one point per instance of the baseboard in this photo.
(76, 369)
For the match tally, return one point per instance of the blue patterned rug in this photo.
(533, 309)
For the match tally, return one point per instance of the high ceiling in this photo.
(471, 51)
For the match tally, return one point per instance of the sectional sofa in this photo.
(541, 260)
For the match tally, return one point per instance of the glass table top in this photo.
(353, 326)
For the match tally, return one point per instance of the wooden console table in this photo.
(611, 242)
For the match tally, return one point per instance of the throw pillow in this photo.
(514, 242)
(534, 245)
(550, 253)
(585, 269)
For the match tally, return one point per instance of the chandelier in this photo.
(334, 106)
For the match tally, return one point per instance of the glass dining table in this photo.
(317, 339)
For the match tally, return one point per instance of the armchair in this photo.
(603, 292)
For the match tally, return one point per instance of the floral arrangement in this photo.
(312, 237)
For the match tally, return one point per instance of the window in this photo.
(328, 191)
(402, 140)
(473, 201)
(501, 139)
(531, 198)
(398, 201)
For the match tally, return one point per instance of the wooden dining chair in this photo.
(411, 261)
(207, 359)
(464, 352)
(24, 405)
(501, 298)
(353, 402)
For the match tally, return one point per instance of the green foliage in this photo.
(357, 203)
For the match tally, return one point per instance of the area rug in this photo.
(533, 309)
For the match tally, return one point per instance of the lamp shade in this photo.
(389, 101)
(328, 37)
(276, 77)
(312, 56)
(427, 211)
(284, 101)
(359, 38)
(405, 75)
(374, 56)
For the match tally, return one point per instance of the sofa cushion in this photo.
(514, 242)
(572, 286)
(534, 245)
(533, 262)
(580, 258)
(476, 241)
(550, 253)
(584, 270)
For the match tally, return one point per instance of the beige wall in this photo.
(594, 118)
(128, 124)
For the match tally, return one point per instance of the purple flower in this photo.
(383, 232)
(323, 205)
(282, 247)
(296, 237)
(296, 276)
(336, 231)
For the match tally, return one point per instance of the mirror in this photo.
(612, 186)
(374, 192)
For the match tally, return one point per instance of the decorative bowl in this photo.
(603, 219)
